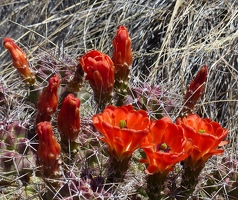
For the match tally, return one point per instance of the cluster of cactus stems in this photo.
(124, 126)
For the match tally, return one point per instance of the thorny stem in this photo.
(156, 186)
(189, 182)
(69, 147)
(121, 90)
(117, 169)
(33, 95)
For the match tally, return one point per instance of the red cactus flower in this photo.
(100, 73)
(196, 88)
(123, 129)
(165, 145)
(68, 118)
(49, 149)
(48, 100)
(207, 136)
(19, 60)
(122, 55)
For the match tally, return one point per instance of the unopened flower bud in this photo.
(196, 88)
(48, 100)
(19, 60)
(68, 118)
(100, 73)
(49, 149)
(122, 55)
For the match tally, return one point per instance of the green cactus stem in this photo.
(156, 186)
(189, 182)
(121, 92)
(117, 169)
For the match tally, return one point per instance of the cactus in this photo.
(154, 99)
(68, 68)
(92, 151)
(226, 176)
(16, 155)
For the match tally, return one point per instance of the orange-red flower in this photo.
(165, 145)
(48, 100)
(196, 88)
(123, 129)
(207, 136)
(49, 149)
(68, 117)
(19, 60)
(100, 73)
(122, 55)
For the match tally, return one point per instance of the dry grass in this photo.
(171, 40)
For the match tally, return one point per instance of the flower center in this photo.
(123, 124)
(163, 147)
(202, 131)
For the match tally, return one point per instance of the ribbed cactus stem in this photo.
(189, 182)
(32, 188)
(156, 185)
(117, 169)
(158, 111)
(77, 82)
(103, 101)
(70, 148)
(10, 141)
(121, 92)
(33, 95)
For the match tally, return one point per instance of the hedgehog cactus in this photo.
(70, 72)
(56, 63)
(225, 176)
(16, 154)
(82, 186)
(67, 157)
(150, 98)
